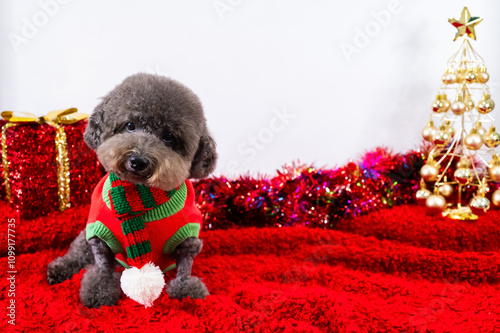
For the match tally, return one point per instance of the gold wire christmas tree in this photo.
(461, 109)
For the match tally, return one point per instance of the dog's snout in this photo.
(138, 163)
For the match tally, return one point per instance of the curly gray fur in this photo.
(184, 284)
(78, 256)
(156, 106)
(100, 283)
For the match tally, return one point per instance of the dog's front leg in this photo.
(184, 284)
(78, 256)
(100, 284)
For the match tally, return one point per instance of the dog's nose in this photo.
(138, 163)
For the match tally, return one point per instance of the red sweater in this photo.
(168, 225)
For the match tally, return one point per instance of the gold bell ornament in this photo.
(422, 194)
(446, 190)
(464, 174)
(494, 169)
(463, 162)
(446, 102)
(442, 137)
(492, 138)
(486, 104)
(460, 75)
(480, 129)
(470, 75)
(473, 141)
(449, 77)
(469, 103)
(458, 107)
(440, 104)
(449, 128)
(495, 198)
(482, 75)
(435, 203)
(479, 205)
(430, 171)
(429, 132)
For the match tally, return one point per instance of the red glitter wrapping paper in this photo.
(31, 153)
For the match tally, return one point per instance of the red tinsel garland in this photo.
(307, 196)
(304, 195)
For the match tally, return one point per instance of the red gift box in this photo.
(46, 165)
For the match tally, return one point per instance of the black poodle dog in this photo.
(150, 134)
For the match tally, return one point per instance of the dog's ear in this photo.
(205, 158)
(93, 132)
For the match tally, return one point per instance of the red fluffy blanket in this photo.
(392, 270)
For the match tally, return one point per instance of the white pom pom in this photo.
(143, 285)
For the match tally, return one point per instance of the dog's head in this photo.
(151, 130)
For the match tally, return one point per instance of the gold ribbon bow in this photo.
(53, 118)
(66, 116)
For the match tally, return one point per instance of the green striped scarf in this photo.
(129, 202)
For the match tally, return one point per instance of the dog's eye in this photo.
(167, 137)
(130, 127)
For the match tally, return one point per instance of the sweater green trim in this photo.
(98, 229)
(105, 192)
(189, 230)
(169, 208)
(169, 268)
(123, 263)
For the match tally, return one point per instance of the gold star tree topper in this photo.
(465, 24)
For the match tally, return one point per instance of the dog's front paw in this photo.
(187, 286)
(58, 271)
(100, 288)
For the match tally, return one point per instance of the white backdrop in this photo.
(320, 81)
